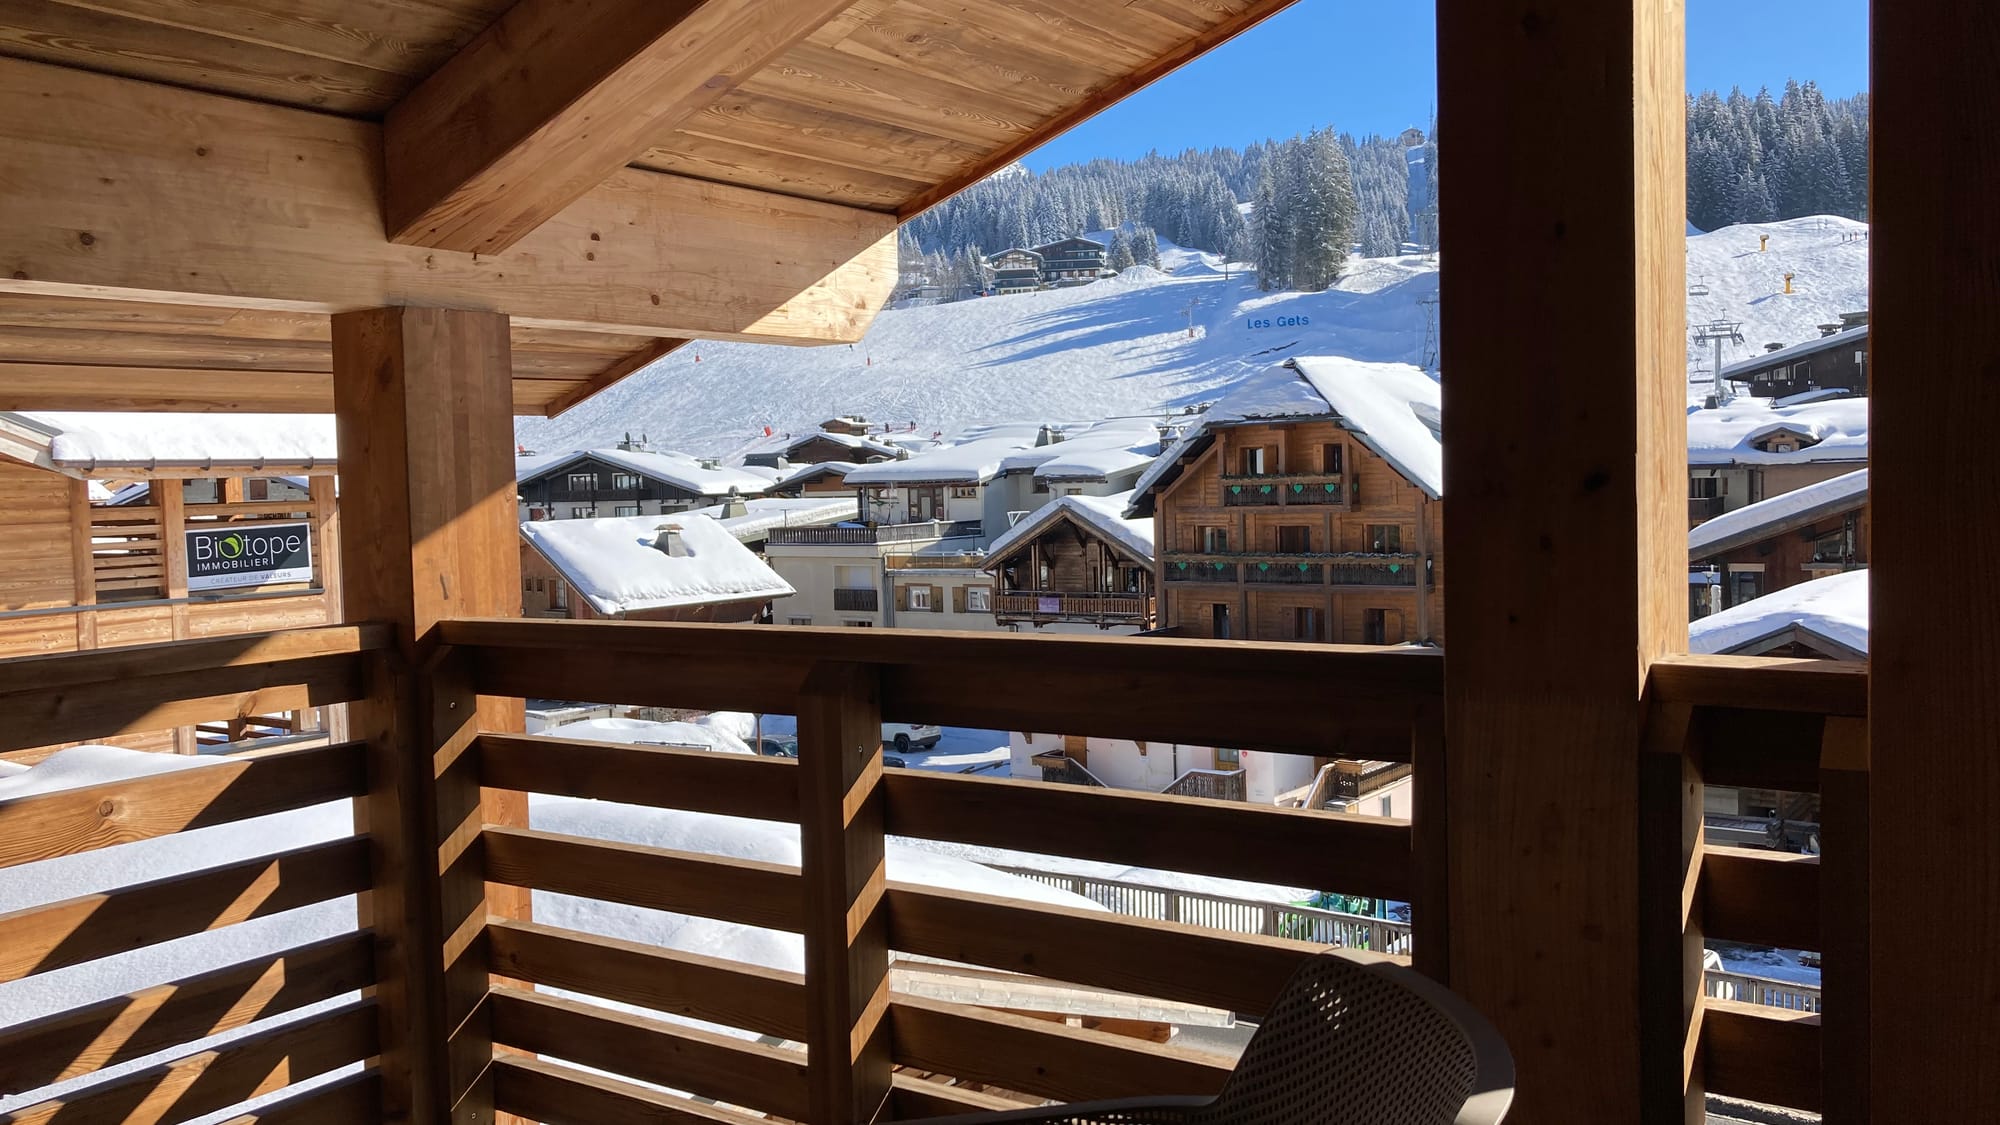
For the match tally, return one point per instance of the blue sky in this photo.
(1289, 74)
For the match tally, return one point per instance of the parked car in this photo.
(902, 736)
(778, 747)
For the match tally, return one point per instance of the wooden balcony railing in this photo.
(1346, 568)
(435, 850)
(1062, 605)
(1282, 490)
(856, 600)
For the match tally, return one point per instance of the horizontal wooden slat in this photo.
(299, 508)
(1364, 698)
(56, 386)
(1316, 850)
(216, 1079)
(140, 808)
(914, 1097)
(1823, 687)
(41, 938)
(703, 1063)
(731, 993)
(97, 711)
(1043, 1058)
(734, 890)
(1764, 898)
(730, 784)
(559, 1095)
(27, 674)
(1142, 956)
(352, 1099)
(76, 1042)
(1761, 1054)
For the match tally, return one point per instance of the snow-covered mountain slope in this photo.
(1142, 343)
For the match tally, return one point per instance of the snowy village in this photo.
(592, 562)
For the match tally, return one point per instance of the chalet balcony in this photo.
(1272, 490)
(1065, 605)
(856, 600)
(1199, 568)
(871, 534)
(1701, 509)
(1353, 568)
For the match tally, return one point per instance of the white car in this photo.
(901, 737)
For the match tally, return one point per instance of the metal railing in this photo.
(865, 601)
(872, 533)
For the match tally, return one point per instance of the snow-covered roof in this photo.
(727, 732)
(1779, 514)
(613, 564)
(1744, 368)
(1091, 453)
(1722, 436)
(1832, 611)
(974, 460)
(677, 469)
(89, 441)
(877, 446)
(766, 512)
(1392, 408)
(800, 475)
(1102, 514)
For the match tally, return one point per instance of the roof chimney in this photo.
(733, 505)
(667, 540)
(1854, 319)
(1042, 436)
(1826, 330)
(1769, 348)
(711, 463)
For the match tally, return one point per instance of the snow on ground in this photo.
(1835, 607)
(1147, 342)
(961, 750)
(615, 565)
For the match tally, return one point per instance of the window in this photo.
(1214, 540)
(920, 597)
(1077, 491)
(1218, 620)
(964, 493)
(979, 599)
(1228, 759)
(1305, 623)
(1375, 627)
(1745, 584)
(257, 489)
(581, 513)
(859, 624)
(798, 620)
(1329, 458)
(1704, 488)
(538, 586)
(1253, 461)
(1388, 803)
(1385, 538)
(582, 482)
(527, 585)
(625, 510)
(1295, 539)
(558, 595)
(627, 481)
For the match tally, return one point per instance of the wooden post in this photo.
(846, 920)
(169, 496)
(1843, 921)
(326, 529)
(1934, 645)
(422, 405)
(1430, 838)
(1670, 936)
(1563, 307)
(83, 564)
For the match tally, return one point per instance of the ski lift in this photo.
(1698, 287)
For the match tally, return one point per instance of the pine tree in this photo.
(1119, 257)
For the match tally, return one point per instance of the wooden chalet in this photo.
(1074, 561)
(425, 217)
(1072, 261)
(1836, 360)
(1765, 547)
(817, 479)
(589, 484)
(1017, 270)
(1288, 521)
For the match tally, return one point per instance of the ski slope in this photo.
(1146, 342)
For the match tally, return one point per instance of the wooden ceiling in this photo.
(501, 123)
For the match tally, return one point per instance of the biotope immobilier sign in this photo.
(259, 555)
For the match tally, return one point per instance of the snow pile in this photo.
(1105, 514)
(152, 439)
(726, 732)
(614, 564)
(1835, 608)
(1393, 408)
(677, 469)
(1751, 519)
(1723, 436)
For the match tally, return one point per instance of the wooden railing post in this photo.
(1430, 844)
(846, 917)
(1672, 984)
(1843, 925)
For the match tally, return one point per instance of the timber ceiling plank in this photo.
(135, 191)
(555, 97)
(396, 37)
(823, 77)
(729, 162)
(830, 137)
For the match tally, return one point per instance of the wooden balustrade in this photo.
(1724, 1032)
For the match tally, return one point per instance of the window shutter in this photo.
(937, 599)
(958, 599)
(902, 597)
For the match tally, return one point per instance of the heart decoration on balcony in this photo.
(1263, 566)
(1265, 489)
(1303, 566)
(1236, 490)
(1297, 488)
(1331, 487)
(1182, 564)
(1394, 567)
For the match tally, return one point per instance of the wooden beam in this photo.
(1763, 1054)
(1543, 716)
(843, 866)
(563, 1095)
(629, 365)
(1760, 897)
(553, 97)
(1843, 897)
(429, 530)
(662, 777)
(1934, 718)
(746, 891)
(70, 386)
(1670, 937)
(131, 190)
